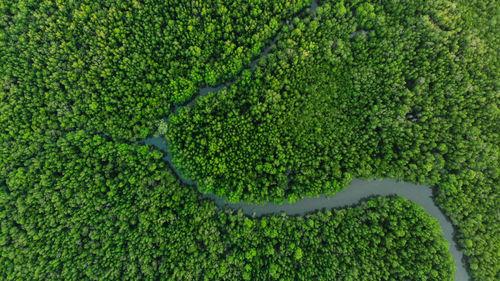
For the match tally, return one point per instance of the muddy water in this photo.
(357, 191)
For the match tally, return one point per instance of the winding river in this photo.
(357, 191)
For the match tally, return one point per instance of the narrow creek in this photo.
(357, 191)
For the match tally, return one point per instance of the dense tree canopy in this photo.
(401, 89)
(118, 66)
(361, 89)
(86, 208)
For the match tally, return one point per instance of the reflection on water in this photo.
(352, 195)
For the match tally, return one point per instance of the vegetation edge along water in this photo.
(355, 193)
(454, 179)
(31, 132)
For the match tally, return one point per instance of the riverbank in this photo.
(354, 194)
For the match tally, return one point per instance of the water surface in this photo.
(357, 191)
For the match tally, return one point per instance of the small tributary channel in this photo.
(352, 195)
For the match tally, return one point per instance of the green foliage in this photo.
(118, 66)
(85, 208)
(72, 213)
(406, 91)
(347, 244)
